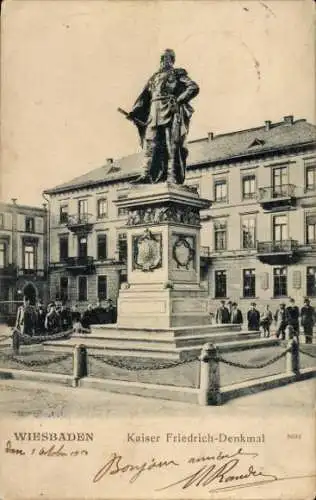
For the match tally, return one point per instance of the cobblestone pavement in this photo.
(23, 398)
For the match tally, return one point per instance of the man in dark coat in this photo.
(236, 315)
(292, 315)
(280, 319)
(162, 114)
(41, 315)
(308, 320)
(253, 317)
(222, 314)
(65, 318)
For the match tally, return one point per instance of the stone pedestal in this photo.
(163, 270)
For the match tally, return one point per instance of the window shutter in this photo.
(264, 281)
(297, 279)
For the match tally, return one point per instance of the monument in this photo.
(162, 308)
(163, 227)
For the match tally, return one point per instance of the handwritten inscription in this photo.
(218, 469)
(49, 451)
(116, 465)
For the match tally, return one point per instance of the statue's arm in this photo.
(191, 89)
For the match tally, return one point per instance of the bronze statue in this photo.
(162, 114)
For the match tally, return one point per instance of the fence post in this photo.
(209, 393)
(15, 342)
(292, 357)
(80, 363)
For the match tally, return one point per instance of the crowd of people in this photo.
(285, 316)
(58, 317)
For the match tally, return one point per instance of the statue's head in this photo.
(167, 58)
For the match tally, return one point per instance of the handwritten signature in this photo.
(220, 472)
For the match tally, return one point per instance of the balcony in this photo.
(31, 273)
(8, 271)
(79, 264)
(278, 252)
(271, 197)
(79, 223)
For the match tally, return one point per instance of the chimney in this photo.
(289, 119)
(210, 136)
(267, 124)
(109, 161)
(14, 200)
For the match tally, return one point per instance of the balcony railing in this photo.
(276, 194)
(277, 247)
(205, 252)
(31, 272)
(79, 222)
(73, 262)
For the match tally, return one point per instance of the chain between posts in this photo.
(35, 362)
(306, 353)
(130, 367)
(254, 366)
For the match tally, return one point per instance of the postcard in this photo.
(157, 250)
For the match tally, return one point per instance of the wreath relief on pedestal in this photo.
(183, 252)
(147, 251)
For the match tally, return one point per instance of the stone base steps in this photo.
(149, 346)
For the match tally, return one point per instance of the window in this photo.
(280, 282)
(248, 229)
(29, 257)
(102, 208)
(63, 248)
(63, 214)
(102, 288)
(83, 210)
(220, 284)
(279, 181)
(1, 221)
(82, 288)
(280, 232)
(310, 228)
(310, 174)
(249, 283)
(29, 224)
(220, 191)
(220, 236)
(249, 187)
(64, 288)
(3, 254)
(102, 246)
(311, 282)
(82, 247)
(122, 247)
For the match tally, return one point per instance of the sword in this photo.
(136, 120)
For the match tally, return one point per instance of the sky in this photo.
(67, 66)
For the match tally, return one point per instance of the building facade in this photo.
(258, 238)
(23, 255)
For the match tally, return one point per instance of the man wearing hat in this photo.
(308, 320)
(236, 314)
(280, 320)
(253, 317)
(222, 314)
(292, 314)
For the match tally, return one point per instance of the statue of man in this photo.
(162, 114)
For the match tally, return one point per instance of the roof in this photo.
(222, 147)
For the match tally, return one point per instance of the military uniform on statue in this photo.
(162, 114)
